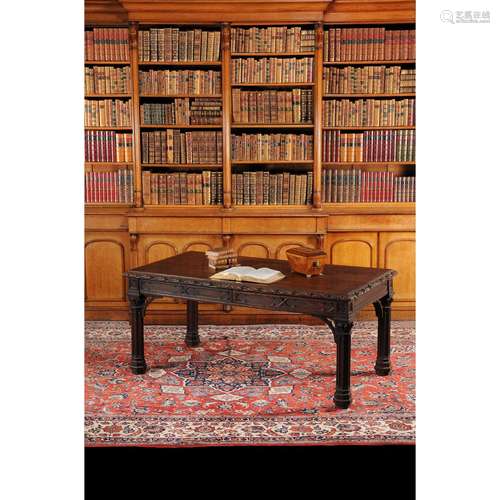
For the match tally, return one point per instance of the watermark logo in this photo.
(465, 16)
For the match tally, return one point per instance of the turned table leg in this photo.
(342, 397)
(137, 309)
(383, 311)
(192, 336)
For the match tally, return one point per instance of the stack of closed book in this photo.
(221, 258)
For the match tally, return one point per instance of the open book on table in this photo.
(247, 273)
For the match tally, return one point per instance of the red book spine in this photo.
(93, 196)
(388, 46)
(106, 143)
(112, 190)
(97, 194)
(107, 44)
(105, 187)
(100, 152)
(121, 40)
(98, 145)
(90, 146)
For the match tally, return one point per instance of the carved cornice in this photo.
(205, 11)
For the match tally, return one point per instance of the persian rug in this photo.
(245, 385)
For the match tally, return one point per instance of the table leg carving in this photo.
(342, 397)
(192, 336)
(137, 306)
(383, 311)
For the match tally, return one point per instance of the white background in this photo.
(42, 252)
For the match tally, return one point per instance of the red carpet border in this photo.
(245, 385)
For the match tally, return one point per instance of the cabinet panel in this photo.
(106, 259)
(352, 249)
(397, 251)
(269, 246)
(153, 247)
(159, 250)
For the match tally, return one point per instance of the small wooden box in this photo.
(306, 261)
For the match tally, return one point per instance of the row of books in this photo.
(174, 146)
(107, 113)
(109, 187)
(269, 147)
(368, 112)
(108, 146)
(182, 188)
(368, 146)
(171, 82)
(197, 111)
(368, 80)
(175, 44)
(273, 39)
(107, 44)
(107, 80)
(272, 106)
(263, 188)
(358, 186)
(369, 44)
(272, 70)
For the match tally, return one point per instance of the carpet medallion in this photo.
(245, 385)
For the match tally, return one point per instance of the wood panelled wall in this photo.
(120, 238)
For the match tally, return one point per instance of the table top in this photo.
(338, 282)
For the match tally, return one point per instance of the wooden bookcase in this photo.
(115, 55)
(120, 236)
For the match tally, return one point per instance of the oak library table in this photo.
(335, 297)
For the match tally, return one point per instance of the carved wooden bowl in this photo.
(306, 261)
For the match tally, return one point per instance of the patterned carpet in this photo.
(245, 385)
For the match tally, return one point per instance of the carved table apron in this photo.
(335, 297)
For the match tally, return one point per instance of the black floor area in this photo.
(378, 471)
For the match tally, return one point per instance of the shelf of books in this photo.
(229, 115)
(272, 119)
(368, 115)
(109, 179)
(180, 94)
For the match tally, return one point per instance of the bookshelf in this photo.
(272, 115)
(214, 106)
(279, 99)
(180, 108)
(368, 114)
(108, 127)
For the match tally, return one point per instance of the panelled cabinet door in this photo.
(269, 246)
(106, 259)
(397, 251)
(352, 249)
(154, 247)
